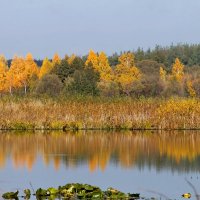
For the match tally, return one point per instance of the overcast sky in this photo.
(44, 27)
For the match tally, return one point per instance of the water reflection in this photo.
(177, 151)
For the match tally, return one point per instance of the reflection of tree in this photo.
(174, 150)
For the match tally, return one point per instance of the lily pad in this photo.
(10, 195)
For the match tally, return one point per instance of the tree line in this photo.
(163, 72)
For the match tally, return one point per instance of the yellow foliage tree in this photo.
(126, 73)
(21, 72)
(3, 70)
(101, 65)
(93, 59)
(56, 59)
(15, 73)
(31, 69)
(163, 74)
(71, 58)
(104, 68)
(190, 89)
(47, 66)
(178, 71)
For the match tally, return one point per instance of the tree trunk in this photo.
(25, 89)
(10, 90)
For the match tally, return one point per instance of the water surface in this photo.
(151, 163)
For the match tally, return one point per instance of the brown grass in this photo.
(100, 114)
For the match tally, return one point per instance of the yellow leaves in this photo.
(127, 59)
(190, 89)
(178, 113)
(47, 66)
(21, 71)
(71, 59)
(31, 67)
(126, 73)
(162, 74)
(17, 72)
(56, 59)
(103, 64)
(100, 64)
(3, 64)
(177, 71)
(93, 59)
(3, 70)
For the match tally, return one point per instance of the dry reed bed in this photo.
(92, 114)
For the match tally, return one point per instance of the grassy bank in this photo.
(96, 113)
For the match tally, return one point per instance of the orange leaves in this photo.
(16, 72)
(3, 70)
(31, 67)
(19, 73)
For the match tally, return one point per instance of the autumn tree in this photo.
(190, 89)
(71, 59)
(101, 65)
(177, 71)
(104, 68)
(56, 59)
(163, 74)
(3, 71)
(31, 70)
(126, 73)
(15, 74)
(173, 83)
(46, 67)
(21, 72)
(106, 84)
(93, 59)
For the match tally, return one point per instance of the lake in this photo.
(155, 164)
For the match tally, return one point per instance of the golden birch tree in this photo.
(15, 73)
(178, 71)
(3, 71)
(56, 59)
(31, 69)
(93, 59)
(126, 73)
(46, 67)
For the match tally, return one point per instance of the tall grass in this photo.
(94, 113)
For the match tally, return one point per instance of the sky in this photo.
(44, 27)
